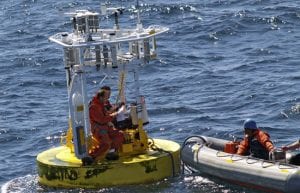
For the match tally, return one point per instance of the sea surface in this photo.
(221, 62)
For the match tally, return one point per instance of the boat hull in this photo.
(206, 155)
(57, 167)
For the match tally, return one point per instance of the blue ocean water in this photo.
(221, 62)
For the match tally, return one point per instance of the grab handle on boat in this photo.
(232, 156)
(271, 163)
(254, 160)
(237, 157)
(286, 166)
(223, 154)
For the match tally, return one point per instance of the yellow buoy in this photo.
(90, 48)
(58, 167)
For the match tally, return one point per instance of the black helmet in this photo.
(250, 124)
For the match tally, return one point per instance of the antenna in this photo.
(139, 24)
(115, 11)
(138, 11)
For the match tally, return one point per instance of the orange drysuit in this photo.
(260, 145)
(107, 136)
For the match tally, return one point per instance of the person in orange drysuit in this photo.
(102, 114)
(256, 142)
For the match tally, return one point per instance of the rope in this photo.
(193, 136)
(155, 148)
(186, 142)
(122, 77)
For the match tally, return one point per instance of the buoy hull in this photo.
(58, 169)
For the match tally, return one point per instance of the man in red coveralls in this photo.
(102, 113)
(256, 142)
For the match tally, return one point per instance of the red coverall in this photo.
(262, 137)
(107, 136)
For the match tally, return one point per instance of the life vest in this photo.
(256, 149)
(258, 146)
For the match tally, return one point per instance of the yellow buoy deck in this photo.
(58, 167)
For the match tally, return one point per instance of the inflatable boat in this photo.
(216, 157)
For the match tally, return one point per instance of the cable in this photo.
(185, 142)
(155, 148)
